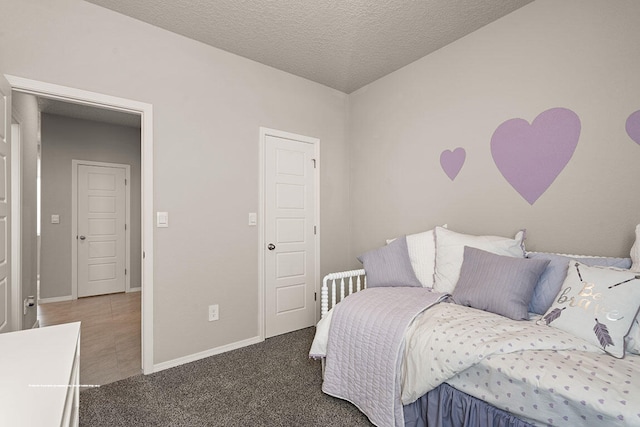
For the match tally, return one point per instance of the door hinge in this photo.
(125, 226)
(125, 181)
(314, 163)
(144, 254)
(125, 271)
(315, 229)
(315, 296)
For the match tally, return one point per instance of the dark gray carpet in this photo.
(268, 384)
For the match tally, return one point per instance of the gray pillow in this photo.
(389, 265)
(553, 276)
(497, 283)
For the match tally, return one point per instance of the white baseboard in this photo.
(55, 299)
(134, 289)
(70, 297)
(203, 354)
(36, 324)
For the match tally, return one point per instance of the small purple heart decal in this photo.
(452, 161)
(531, 156)
(633, 126)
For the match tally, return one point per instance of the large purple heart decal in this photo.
(531, 156)
(633, 126)
(452, 161)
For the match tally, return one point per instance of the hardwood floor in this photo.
(110, 338)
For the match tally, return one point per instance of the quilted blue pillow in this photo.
(551, 280)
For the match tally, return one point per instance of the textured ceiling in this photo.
(341, 44)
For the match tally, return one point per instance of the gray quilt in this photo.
(364, 349)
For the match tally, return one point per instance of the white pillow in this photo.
(422, 254)
(635, 251)
(450, 253)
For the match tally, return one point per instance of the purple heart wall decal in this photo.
(633, 126)
(531, 156)
(452, 161)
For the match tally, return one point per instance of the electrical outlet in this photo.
(214, 313)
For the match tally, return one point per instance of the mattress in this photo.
(557, 387)
(540, 374)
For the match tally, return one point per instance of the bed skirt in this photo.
(445, 407)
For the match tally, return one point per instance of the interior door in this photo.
(101, 233)
(5, 207)
(290, 259)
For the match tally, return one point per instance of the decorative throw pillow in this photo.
(553, 276)
(450, 252)
(389, 265)
(597, 304)
(633, 339)
(635, 251)
(497, 283)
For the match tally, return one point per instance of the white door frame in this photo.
(74, 221)
(264, 132)
(83, 97)
(16, 223)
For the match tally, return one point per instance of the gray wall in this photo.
(208, 106)
(380, 146)
(580, 55)
(63, 140)
(26, 109)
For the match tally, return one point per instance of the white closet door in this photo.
(289, 235)
(101, 230)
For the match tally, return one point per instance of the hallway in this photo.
(110, 337)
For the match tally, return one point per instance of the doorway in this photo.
(144, 111)
(84, 255)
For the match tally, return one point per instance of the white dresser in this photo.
(40, 376)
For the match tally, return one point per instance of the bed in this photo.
(468, 350)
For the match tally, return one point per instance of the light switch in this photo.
(253, 218)
(55, 219)
(162, 219)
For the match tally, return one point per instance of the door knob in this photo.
(271, 246)
(82, 237)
